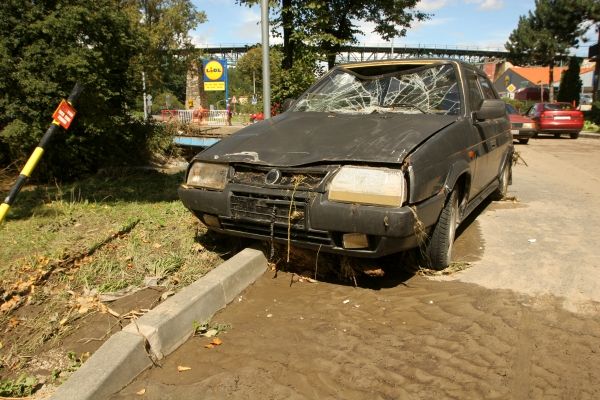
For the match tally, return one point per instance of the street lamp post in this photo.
(265, 60)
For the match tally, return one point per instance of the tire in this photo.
(439, 248)
(504, 179)
(524, 141)
(574, 135)
(557, 135)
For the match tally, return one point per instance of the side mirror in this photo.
(287, 103)
(490, 109)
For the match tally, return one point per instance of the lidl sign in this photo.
(215, 75)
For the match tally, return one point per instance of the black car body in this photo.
(374, 159)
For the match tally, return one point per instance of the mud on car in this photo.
(375, 158)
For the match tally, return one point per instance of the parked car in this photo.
(556, 119)
(374, 159)
(521, 127)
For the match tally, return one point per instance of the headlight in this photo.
(528, 125)
(377, 186)
(208, 175)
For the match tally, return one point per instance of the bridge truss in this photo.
(232, 53)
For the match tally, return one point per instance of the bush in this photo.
(593, 115)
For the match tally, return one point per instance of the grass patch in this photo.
(63, 245)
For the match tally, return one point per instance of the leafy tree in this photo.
(570, 83)
(165, 25)
(546, 34)
(45, 47)
(329, 24)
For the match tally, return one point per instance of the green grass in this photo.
(109, 232)
(48, 223)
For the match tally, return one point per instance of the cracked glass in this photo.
(423, 89)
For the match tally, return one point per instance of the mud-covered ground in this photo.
(521, 322)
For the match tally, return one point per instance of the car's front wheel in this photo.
(439, 249)
(524, 141)
(574, 135)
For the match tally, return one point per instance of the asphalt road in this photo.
(547, 242)
(521, 322)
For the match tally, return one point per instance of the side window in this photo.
(475, 96)
(488, 92)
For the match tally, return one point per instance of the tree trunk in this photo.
(596, 81)
(551, 81)
(288, 29)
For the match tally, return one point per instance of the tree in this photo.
(327, 25)
(548, 33)
(570, 83)
(165, 24)
(45, 47)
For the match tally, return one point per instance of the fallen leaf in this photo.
(216, 342)
(181, 368)
(157, 245)
(209, 346)
(141, 392)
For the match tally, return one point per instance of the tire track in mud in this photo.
(447, 340)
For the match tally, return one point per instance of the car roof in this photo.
(420, 61)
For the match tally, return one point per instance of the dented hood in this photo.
(301, 138)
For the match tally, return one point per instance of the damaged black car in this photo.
(375, 158)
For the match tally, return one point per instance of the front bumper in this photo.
(520, 133)
(310, 219)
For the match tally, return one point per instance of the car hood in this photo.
(301, 138)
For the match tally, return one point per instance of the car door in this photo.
(499, 137)
(480, 132)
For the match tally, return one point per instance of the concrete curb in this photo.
(159, 332)
(592, 135)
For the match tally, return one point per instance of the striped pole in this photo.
(61, 117)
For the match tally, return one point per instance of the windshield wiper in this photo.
(406, 105)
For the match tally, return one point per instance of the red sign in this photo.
(64, 114)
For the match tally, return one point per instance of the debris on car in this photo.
(374, 159)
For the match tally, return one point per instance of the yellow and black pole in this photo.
(63, 116)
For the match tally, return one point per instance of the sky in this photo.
(461, 23)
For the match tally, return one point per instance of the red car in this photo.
(556, 118)
(522, 128)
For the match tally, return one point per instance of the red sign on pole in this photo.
(64, 114)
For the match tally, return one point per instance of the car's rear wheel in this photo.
(439, 248)
(504, 179)
(574, 135)
(524, 141)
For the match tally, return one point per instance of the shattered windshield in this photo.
(424, 89)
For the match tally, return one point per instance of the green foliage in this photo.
(549, 32)
(47, 46)
(164, 25)
(570, 83)
(21, 387)
(324, 26)
(166, 101)
(593, 115)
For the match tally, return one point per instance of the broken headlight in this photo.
(364, 185)
(208, 175)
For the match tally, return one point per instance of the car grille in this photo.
(271, 216)
(298, 179)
